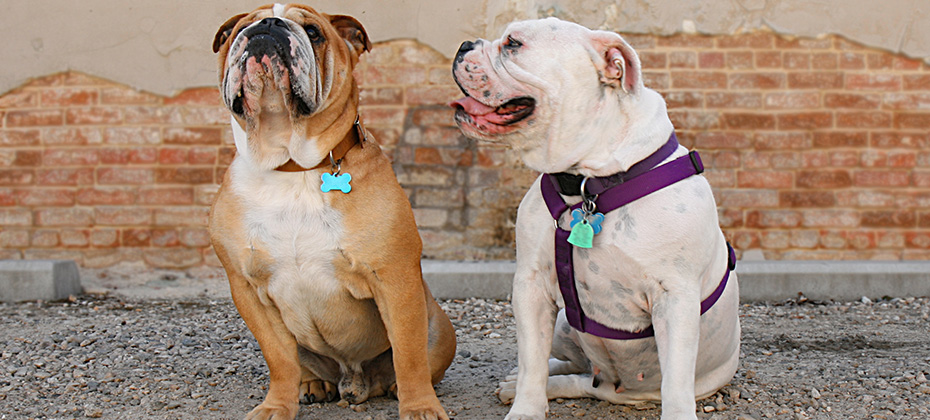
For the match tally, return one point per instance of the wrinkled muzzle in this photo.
(270, 65)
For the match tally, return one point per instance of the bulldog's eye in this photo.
(511, 43)
(313, 32)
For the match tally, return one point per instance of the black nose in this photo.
(272, 22)
(466, 47)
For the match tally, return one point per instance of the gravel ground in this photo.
(115, 357)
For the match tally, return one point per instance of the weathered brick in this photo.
(826, 218)
(685, 40)
(749, 121)
(698, 80)
(192, 136)
(195, 237)
(839, 139)
(93, 116)
(64, 97)
(106, 195)
(166, 196)
(807, 199)
(14, 238)
(792, 100)
(165, 237)
(70, 136)
(182, 216)
(122, 216)
(756, 40)
(765, 179)
(682, 59)
(889, 219)
(382, 96)
(916, 120)
(769, 59)
(136, 237)
(202, 96)
(34, 118)
(757, 80)
(104, 238)
(15, 217)
(120, 95)
(824, 179)
(125, 176)
(916, 82)
(74, 238)
(805, 121)
(183, 175)
(773, 219)
(863, 119)
(69, 157)
(45, 197)
(740, 100)
(657, 59)
(874, 178)
(44, 238)
(19, 138)
(879, 82)
(29, 158)
(172, 257)
(781, 140)
(64, 217)
(852, 100)
(17, 176)
(131, 136)
(797, 60)
(815, 80)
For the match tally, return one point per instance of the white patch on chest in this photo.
(288, 218)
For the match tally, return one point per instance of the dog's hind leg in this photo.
(318, 377)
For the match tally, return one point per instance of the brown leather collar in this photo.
(353, 137)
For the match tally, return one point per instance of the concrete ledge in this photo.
(759, 280)
(38, 279)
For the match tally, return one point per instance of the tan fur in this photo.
(383, 302)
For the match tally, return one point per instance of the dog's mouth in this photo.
(493, 119)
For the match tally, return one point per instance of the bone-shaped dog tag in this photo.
(336, 182)
(582, 235)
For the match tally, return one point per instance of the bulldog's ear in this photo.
(619, 65)
(225, 30)
(352, 31)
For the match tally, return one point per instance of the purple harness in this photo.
(611, 193)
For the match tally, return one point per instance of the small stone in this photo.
(815, 394)
(93, 412)
(709, 409)
(866, 300)
(923, 389)
(579, 413)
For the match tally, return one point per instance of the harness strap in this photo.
(615, 197)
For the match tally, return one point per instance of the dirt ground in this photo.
(192, 357)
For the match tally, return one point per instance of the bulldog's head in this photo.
(551, 89)
(286, 76)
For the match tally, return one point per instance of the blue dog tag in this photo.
(336, 182)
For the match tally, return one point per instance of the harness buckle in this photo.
(696, 162)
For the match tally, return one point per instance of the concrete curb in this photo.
(22, 280)
(758, 280)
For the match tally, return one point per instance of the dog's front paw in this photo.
(273, 411)
(430, 410)
(523, 416)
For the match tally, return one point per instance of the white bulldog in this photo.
(571, 100)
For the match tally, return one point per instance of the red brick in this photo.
(72, 136)
(694, 120)
(686, 40)
(65, 176)
(782, 42)
(742, 198)
(142, 155)
(106, 195)
(879, 61)
(45, 197)
(34, 118)
(10, 238)
(792, 100)
(15, 217)
(815, 80)
(104, 238)
(797, 60)
(711, 60)
(900, 140)
(183, 175)
(69, 157)
(435, 136)
(765, 179)
(64, 217)
(757, 80)
(442, 156)
(136, 237)
(918, 239)
(874, 158)
(123, 216)
(824, 179)
(133, 176)
(226, 155)
(733, 100)
(191, 136)
(7, 197)
(906, 101)
(381, 96)
(870, 178)
(148, 115)
(721, 159)
(191, 237)
(916, 81)
(203, 155)
(879, 82)
(657, 80)
(699, 80)
(166, 196)
(165, 237)
(824, 61)
(17, 176)
(63, 97)
(27, 158)
(682, 59)
(19, 137)
(904, 63)
(113, 156)
(829, 218)
(182, 216)
(917, 120)
(653, 60)
(851, 100)
(19, 99)
(852, 61)
(748, 121)
(781, 141)
(43, 238)
(739, 60)
(838, 139)
(684, 99)
(132, 136)
(768, 59)
(93, 116)
(863, 120)
(805, 121)
(205, 96)
(889, 219)
(119, 95)
(773, 219)
(807, 199)
(383, 116)
(173, 155)
(73, 238)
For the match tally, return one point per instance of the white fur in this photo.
(655, 259)
(278, 10)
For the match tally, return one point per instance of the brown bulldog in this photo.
(317, 237)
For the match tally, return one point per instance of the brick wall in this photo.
(816, 148)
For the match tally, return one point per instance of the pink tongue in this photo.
(472, 107)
